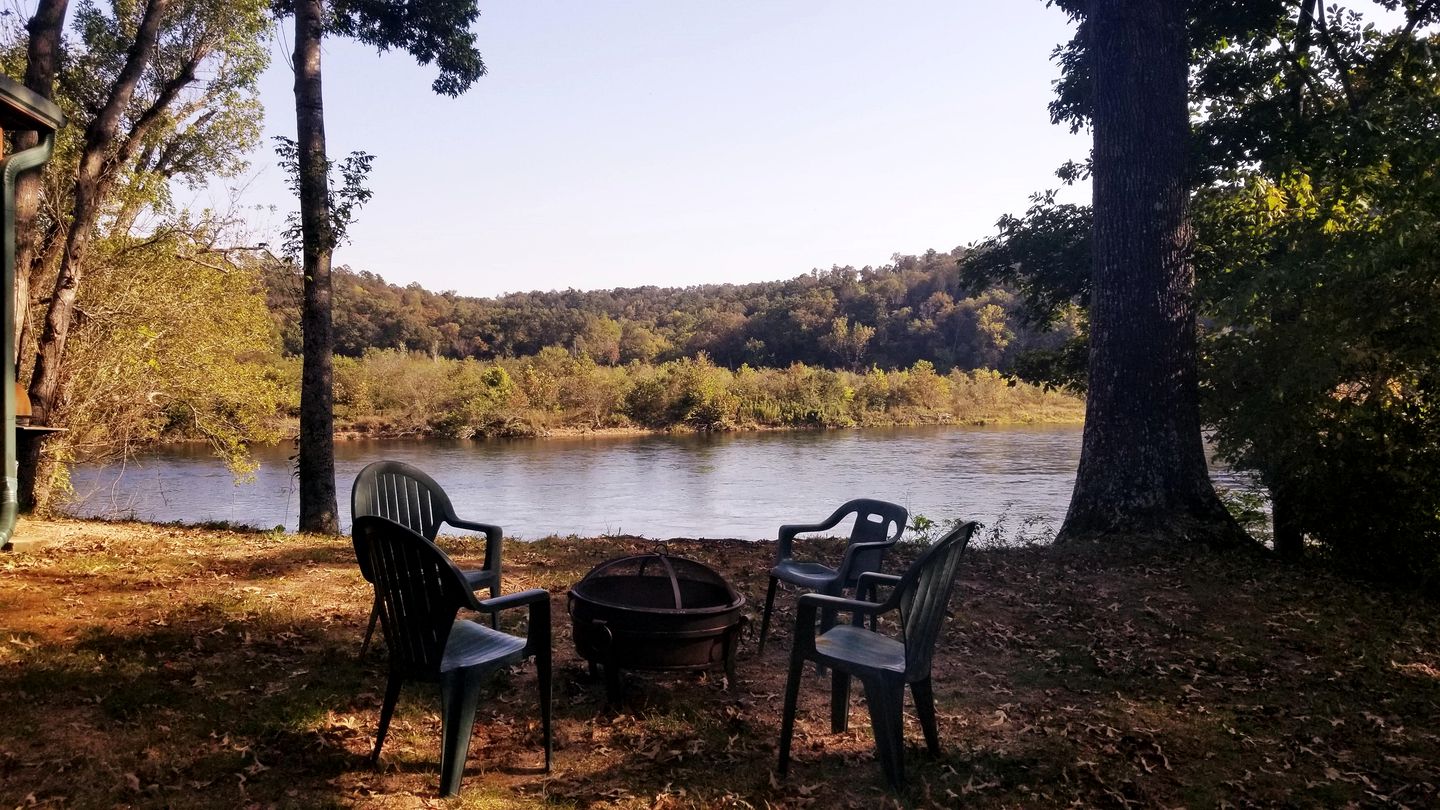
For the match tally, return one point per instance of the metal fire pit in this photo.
(654, 612)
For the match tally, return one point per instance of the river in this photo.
(1015, 480)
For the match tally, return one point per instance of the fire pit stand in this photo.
(654, 612)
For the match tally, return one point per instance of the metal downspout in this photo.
(10, 167)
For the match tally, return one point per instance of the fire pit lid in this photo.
(692, 585)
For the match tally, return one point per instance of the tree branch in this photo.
(217, 268)
(155, 113)
(1342, 67)
(1302, 49)
(1412, 20)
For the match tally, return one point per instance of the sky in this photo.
(638, 142)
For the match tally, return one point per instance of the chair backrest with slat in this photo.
(403, 494)
(875, 521)
(419, 592)
(924, 593)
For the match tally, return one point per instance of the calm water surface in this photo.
(735, 485)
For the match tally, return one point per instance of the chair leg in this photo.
(925, 710)
(827, 618)
(370, 631)
(765, 617)
(387, 710)
(543, 675)
(495, 614)
(885, 700)
(787, 719)
(839, 701)
(459, 697)
(827, 621)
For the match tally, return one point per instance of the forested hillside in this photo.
(916, 308)
(899, 344)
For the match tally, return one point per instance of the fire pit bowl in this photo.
(654, 612)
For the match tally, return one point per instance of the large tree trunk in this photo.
(42, 60)
(1142, 463)
(317, 400)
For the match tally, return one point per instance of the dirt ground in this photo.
(155, 666)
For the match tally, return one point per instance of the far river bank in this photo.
(380, 428)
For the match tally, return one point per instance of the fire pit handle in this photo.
(609, 636)
(674, 581)
(663, 555)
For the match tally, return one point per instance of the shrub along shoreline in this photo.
(392, 393)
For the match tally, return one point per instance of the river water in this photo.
(1016, 480)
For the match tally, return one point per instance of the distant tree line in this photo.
(915, 308)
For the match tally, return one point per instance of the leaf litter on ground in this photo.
(167, 667)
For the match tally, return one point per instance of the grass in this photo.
(160, 666)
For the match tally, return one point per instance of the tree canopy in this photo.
(915, 308)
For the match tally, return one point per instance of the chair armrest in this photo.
(537, 637)
(512, 600)
(811, 603)
(494, 535)
(789, 530)
(792, 529)
(866, 582)
(490, 531)
(843, 569)
(785, 545)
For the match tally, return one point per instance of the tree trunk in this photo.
(90, 189)
(1289, 536)
(42, 60)
(318, 512)
(1142, 463)
(89, 196)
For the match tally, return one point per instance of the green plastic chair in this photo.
(419, 592)
(878, 525)
(407, 496)
(882, 663)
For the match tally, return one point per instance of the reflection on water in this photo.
(728, 485)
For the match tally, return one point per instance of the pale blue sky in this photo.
(675, 143)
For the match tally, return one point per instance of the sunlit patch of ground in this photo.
(159, 666)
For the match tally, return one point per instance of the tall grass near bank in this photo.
(397, 393)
